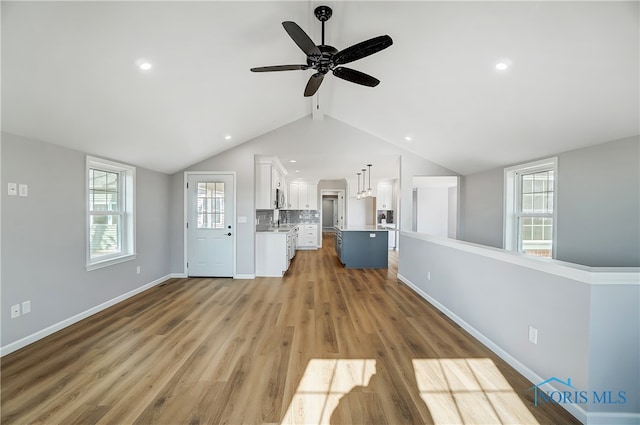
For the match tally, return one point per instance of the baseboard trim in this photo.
(244, 276)
(573, 409)
(178, 276)
(612, 418)
(36, 336)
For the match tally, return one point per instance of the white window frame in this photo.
(127, 182)
(512, 195)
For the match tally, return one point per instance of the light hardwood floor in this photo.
(321, 345)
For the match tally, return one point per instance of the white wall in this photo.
(587, 319)
(433, 210)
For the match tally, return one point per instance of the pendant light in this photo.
(359, 194)
(364, 192)
(369, 190)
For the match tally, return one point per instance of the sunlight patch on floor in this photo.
(468, 391)
(324, 382)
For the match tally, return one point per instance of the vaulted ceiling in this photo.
(70, 76)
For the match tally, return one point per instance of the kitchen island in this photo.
(360, 247)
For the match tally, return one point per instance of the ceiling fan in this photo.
(325, 58)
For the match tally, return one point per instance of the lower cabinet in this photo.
(392, 239)
(273, 253)
(363, 249)
(308, 236)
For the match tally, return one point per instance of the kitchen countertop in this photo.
(283, 228)
(387, 225)
(365, 228)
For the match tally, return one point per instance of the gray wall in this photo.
(587, 332)
(599, 205)
(481, 208)
(614, 341)
(598, 217)
(43, 238)
(322, 138)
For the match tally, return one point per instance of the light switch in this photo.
(13, 189)
(23, 190)
(242, 219)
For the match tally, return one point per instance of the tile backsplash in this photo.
(265, 218)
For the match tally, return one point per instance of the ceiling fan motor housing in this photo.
(322, 63)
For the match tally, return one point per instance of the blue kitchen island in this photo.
(362, 247)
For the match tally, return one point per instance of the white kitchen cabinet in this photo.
(292, 195)
(312, 197)
(302, 196)
(270, 175)
(384, 200)
(274, 252)
(277, 179)
(308, 236)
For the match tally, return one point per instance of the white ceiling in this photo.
(69, 76)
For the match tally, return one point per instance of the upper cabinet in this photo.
(302, 196)
(384, 199)
(270, 175)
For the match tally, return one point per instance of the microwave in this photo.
(280, 200)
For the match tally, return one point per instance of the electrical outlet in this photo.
(26, 307)
(428, 275)
(138, 270)
(533, 335)
(15, 311)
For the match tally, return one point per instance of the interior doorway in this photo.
(332, 210)
(329, 213)
(435, 205)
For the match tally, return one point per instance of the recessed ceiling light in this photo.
(408, 138)
(503, 64)
(297, 171)
(227, 137)
(144, 64)
(292, 160)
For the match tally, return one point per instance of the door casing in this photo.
(185, 215)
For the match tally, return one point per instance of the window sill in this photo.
(110, 262)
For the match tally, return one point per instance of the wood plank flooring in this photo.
(321, 345)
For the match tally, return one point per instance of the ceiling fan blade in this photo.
(280, 68)
(313, 84)
(355, 76)
(362, 49)
(301, 39)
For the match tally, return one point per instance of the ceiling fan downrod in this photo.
(323, 13)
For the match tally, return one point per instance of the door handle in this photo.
(229, 234)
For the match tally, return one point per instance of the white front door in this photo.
(210, 226)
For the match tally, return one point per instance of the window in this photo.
(530, 205)
(110, 213)
(211, 205)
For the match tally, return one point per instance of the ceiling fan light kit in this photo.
(323, 58)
